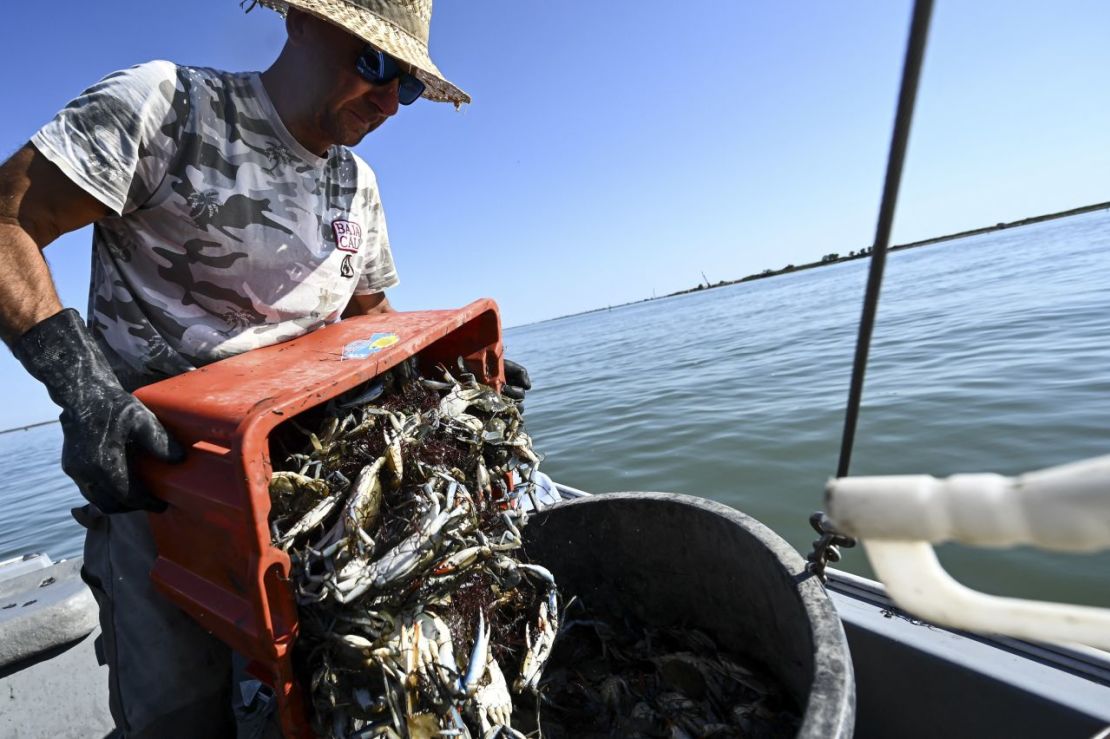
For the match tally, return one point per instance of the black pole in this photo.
(911, 73)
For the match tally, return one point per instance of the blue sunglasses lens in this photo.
(378, 68)
(371, 65)
(409, 89)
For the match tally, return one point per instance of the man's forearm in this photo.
(38, 203)
(27, 294)
(366, 305)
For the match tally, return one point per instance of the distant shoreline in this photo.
(28, 427)
(837, 258)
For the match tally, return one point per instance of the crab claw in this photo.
(540, 641)
(476, 667)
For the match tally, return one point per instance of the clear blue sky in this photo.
(620, 148)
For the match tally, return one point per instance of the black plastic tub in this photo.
(671, 559)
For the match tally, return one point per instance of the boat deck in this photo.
(61, 693)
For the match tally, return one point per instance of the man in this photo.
(229, 214)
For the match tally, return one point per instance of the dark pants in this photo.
(167, 677)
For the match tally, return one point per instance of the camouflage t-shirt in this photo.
(227, 234)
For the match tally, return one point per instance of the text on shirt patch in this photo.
(348, 235)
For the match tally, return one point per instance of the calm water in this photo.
(990, 354)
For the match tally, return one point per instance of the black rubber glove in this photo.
(516, 381)
(101, 422)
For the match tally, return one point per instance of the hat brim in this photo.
(384, 35)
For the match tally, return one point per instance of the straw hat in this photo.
(397, 27)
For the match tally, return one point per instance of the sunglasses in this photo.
(379, 68)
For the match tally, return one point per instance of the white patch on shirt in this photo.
(348, 235)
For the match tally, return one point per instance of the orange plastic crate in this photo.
(215, 560)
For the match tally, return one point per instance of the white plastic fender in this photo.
(915, 580)
(899, 517)
(1065, 508)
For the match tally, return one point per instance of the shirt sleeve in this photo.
(116, 139)
(378, 271)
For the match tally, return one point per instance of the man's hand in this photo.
(102, 423)
(516, 381)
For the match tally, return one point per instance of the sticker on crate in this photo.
(363, 348)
